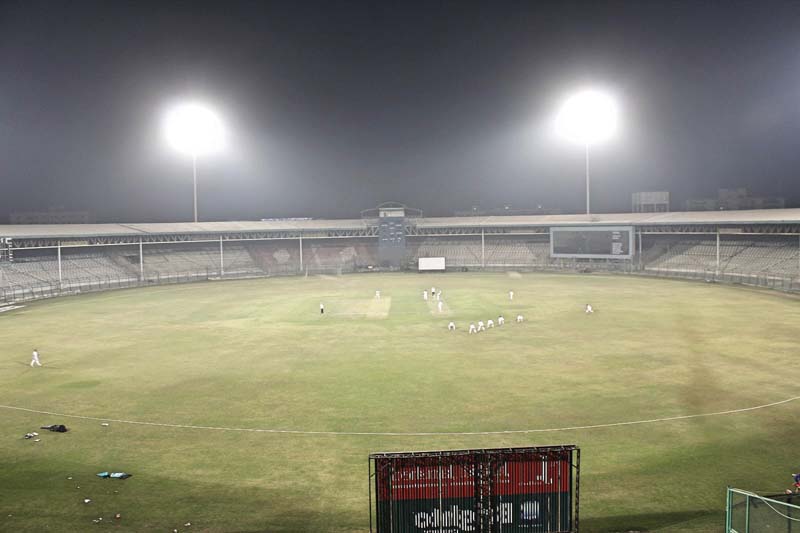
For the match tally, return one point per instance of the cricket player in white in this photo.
(481, 326)
(321, 308)
(589, 308)
(377, 295)
(425, 295)
(490, 323)
(510, 295)
(472, 329)
(501, 320)
(451, 326)
(35, 358)
(439, 305)
(519, 318)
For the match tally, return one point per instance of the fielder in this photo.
(377, 295)
(490, 323)
(510, 295)
(425, 295)
(451, 326)
(321, 308)
(519, 318)
(501, 320)
(481, 326)
(589, 309)
(472, 329)
(35, 358)
(439, 305)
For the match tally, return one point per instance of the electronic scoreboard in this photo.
(592, 242)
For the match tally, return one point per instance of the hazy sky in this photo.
(335, 107)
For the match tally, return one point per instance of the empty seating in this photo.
(497, 252)
(758, 256)
(770, 256)
(74, 268)
(174, 260)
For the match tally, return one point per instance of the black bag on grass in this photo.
(58, 428)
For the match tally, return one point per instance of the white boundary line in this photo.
(406, 434)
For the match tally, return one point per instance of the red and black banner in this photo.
(514, 490)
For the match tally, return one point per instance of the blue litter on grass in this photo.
(115, 475)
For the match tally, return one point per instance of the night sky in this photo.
(335, 107)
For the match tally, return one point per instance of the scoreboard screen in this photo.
(609, 242)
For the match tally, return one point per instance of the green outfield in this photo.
(256, 354)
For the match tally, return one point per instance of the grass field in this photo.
(257, 354)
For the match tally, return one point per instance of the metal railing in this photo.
(768, 281)
(748, 512)
(14, 293)
(49, 289)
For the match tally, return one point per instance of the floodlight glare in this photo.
(195, 130)
(588, 117)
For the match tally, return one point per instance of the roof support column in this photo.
(483, 250)
(221, 259)
(301, 251)
(640, 248)
(60, 279)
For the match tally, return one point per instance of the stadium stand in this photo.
(517, 253)
(74, 268)
(342, 255)
(275, 258)
(763, 256)
(323, 256)
(522, 252)
(757, 247)
(770, 256)
(457, 252)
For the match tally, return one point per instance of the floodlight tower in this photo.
(194, 129)
(588, 117)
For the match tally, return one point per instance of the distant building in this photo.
(702, 204)
(741, 199)
(51, 216)
(508, 210)
(735, 199)
(650, 202)
(768, 202)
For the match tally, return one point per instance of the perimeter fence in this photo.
(748, 512)
(13, 293)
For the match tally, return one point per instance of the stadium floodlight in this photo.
(588, 117)
(196, 130)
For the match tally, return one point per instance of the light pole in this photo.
(587, 118)
(195, 130)
(194, 181)
(588, 189)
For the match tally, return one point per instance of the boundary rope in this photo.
(405, 434)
